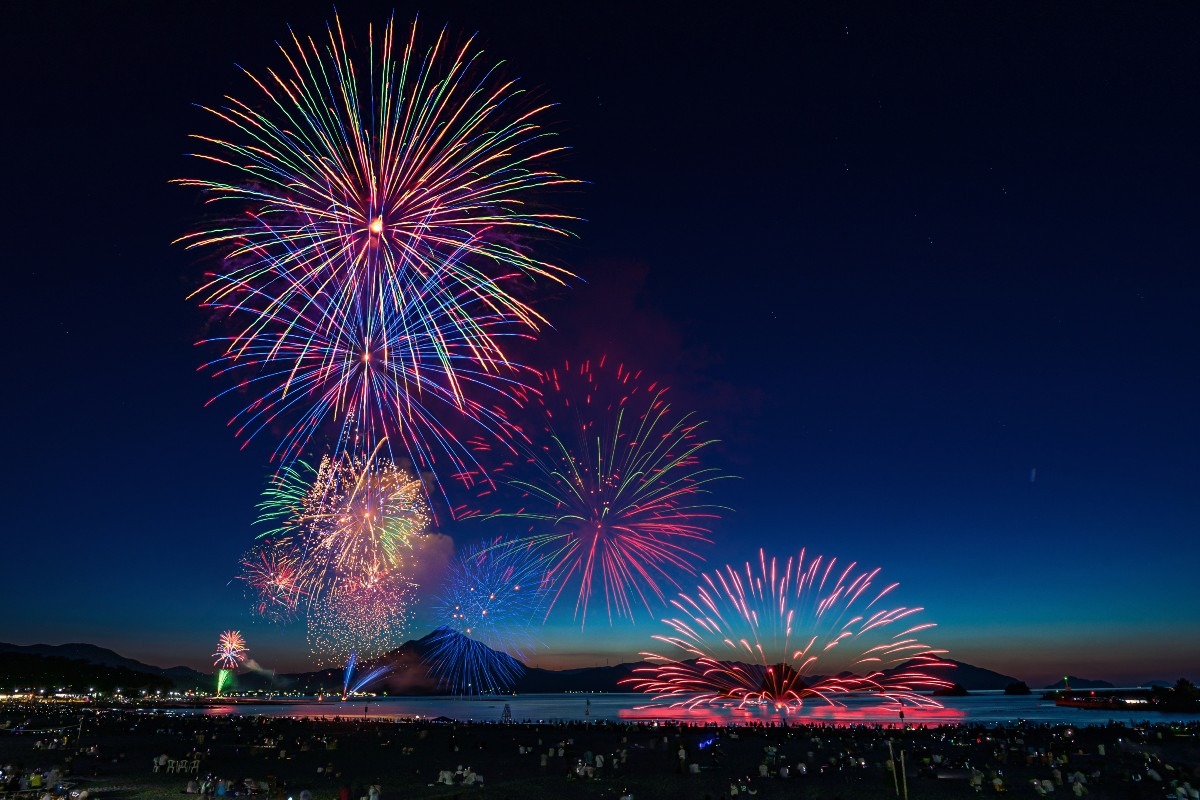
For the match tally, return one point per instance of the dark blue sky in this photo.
(899, 259)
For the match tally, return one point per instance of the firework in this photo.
(617, 490)
(378, 205)
(345, 532)
(779, 635)
(231, 650)
(369, 615)
(465, 666)
(349, 521)
(276, 575)
(352, 683)
(493, 593)
(397, 371)
(223, 678)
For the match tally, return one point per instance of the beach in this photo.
(120, 753)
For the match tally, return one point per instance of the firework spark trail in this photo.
(375, 246)
(617, 492)
(223, 678)
(757, 636)
(351, 663)
(353, 684)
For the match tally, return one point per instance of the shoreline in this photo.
(406, 758)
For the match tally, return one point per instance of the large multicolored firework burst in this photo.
(494, 593)
(614, 487)
(377, 205)
(231, 650)
(339, 546)
(350, 518)
(777, 635)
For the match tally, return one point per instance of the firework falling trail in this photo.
(465, 666)
(782, 634)
(617, 490)
(377, 206)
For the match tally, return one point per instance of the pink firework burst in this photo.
(781, 634)
(614, 487)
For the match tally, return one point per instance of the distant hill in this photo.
(410, 674)
(974, 679)
(1076, 682)
(179, 677)
(53, 673)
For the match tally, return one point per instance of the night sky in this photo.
(928, 272)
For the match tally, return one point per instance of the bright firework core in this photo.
(376, 226)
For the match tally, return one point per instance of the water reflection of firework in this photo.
(617, 490)
(782, 634)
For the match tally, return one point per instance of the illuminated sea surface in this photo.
(980, 708)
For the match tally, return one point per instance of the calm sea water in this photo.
(987, 708)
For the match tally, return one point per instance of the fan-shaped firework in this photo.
(465, 666)
(276, 575)
(372, 257)
(781, 634)
(231, 650)
(354, 682)
(616, 490)
(494, 592)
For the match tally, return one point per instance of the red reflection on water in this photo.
(822, 715)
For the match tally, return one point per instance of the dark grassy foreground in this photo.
(325, 756)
